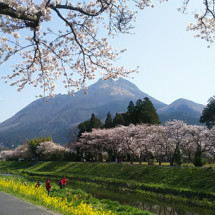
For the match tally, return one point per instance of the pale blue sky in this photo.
(173, 64)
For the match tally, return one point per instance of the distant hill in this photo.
(60, 116)
(181, 109)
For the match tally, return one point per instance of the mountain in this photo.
(60, 116)
(181, 109)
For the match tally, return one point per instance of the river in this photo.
(140, 201)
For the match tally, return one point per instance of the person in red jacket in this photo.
(61, 183)
(48, 185)
(64, 181)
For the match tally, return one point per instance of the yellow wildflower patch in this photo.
(39, 195)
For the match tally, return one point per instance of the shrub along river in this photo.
(138, 200)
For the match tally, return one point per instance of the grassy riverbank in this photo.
(186, 184)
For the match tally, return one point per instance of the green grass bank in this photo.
(185, 183)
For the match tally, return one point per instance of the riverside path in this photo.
(11, 205)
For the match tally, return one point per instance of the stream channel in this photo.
(138, 200)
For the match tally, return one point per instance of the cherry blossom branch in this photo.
(104, 6)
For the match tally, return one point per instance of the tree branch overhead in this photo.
(71, 44)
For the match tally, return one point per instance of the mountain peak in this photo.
(59, 115)
(185, 101)
(181, 105)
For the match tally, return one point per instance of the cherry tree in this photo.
(93, 144)
(144, 143)
(90, 145)
(212, 135)
(204, 22)
(20, 151)
(140, 142)
(98, 141)
(159, 143)
(49, 150)
(176, 132)
(7, 154)
(128, 137)
(113, 143)
(201, 141)
(61, 38)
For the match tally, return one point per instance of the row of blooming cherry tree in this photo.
(176, 142)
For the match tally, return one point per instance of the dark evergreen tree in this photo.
(83, 127)
(131, 107)
(208, 114)
(135, 115)
(108, 121)
(139, 104)
(95, 122)
(149, 114)
(88, 125)
(118, 120)
(127, 118)
(198, 157)
(129, 115)
(178, 157)
(144, 112)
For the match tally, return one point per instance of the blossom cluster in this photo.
(48, 147)
(44, 149)
(40, 196)
(143, 141)
(204, 16)
(18, 152)
(74, 49)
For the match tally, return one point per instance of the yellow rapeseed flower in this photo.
(40, 196)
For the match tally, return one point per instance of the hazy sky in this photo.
(172, 63)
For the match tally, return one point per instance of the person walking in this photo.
(48, 185)
(39, 184)
(64, 180)
(61, 183)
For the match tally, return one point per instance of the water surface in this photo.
(140, 201)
